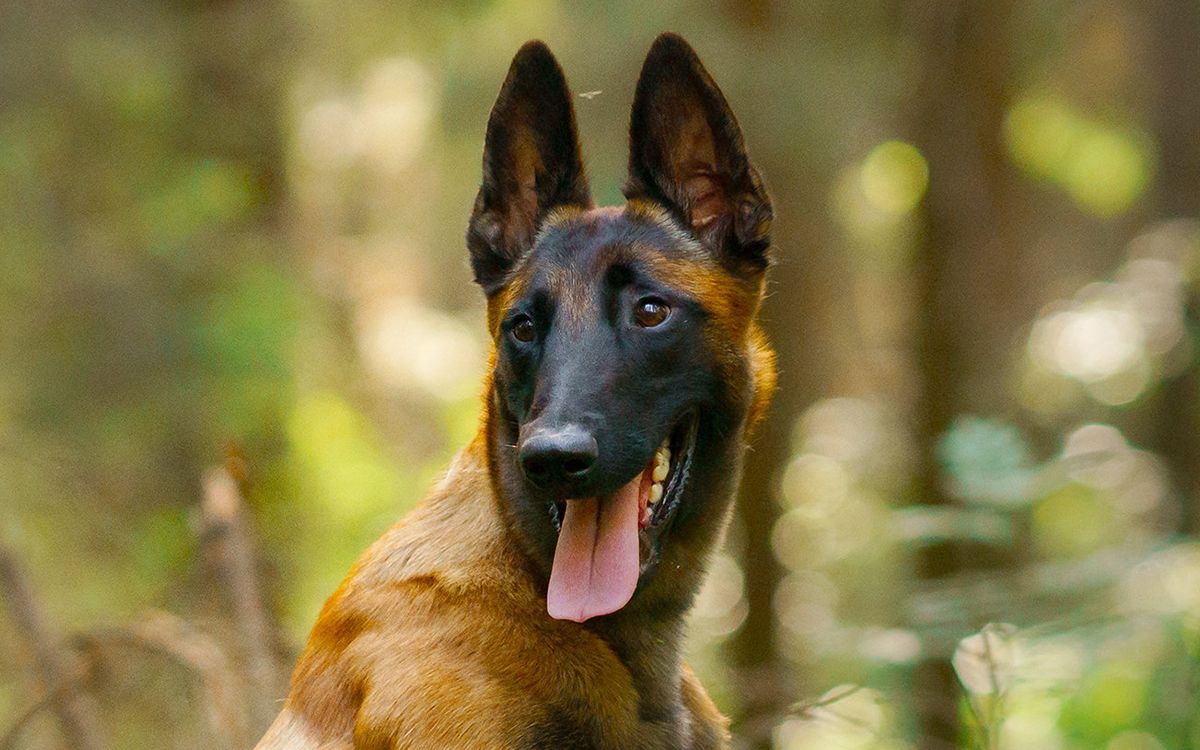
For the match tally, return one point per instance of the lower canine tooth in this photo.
(656, 491)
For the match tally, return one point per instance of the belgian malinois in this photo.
(537, 598)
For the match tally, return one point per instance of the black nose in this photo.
(558, 458)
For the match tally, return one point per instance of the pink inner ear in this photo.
(706, 198)
(694, 156)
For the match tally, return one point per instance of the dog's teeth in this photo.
(656, 491)
(660, 470)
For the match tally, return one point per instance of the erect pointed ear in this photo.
(686, 153)
(531, 164)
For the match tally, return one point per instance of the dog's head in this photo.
(627, 362)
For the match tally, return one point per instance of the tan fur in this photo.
(438, 639)
(763, 374)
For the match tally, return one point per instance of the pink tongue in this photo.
(596, 562)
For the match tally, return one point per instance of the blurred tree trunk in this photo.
(964, 276)
(1174, 30)
(761, 677)
(804, 283)
(238, 50)
(794, 318)
(235, 53)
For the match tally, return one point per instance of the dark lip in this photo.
(682, 444)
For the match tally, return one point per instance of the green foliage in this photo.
(989, 461)
(1072, 520)
(233, 233)
(1104, 168)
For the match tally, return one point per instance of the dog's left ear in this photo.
(531, 165)
(686, 153)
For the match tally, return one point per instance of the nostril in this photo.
(576, 466)
(535, 467)
(558, 458)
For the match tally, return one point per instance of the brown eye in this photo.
(523, 330)
(651, 312)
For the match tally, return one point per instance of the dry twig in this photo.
(223, 531)
(77, 714)
(166, 635)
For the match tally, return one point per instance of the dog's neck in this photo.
(647, 642)
(650, 647)
(647, 635)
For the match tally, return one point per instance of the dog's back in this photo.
(438, 639)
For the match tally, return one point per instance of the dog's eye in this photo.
(523, 329)
(651, 312)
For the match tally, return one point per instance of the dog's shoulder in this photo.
(438, 638)
(387, 629)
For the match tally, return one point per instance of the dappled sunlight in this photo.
(806, 606)
(1098, 455)
(847, 717)
(815, 484)
(855, 431)
(889, 645)
(232, 243)
(1165, 584)
(833, 518)
(396, 112)
(1104, 168)
(721, 604)
(407, 345)
(1094, 341)
(328, 134)
(893, 177)
(383, 126)
(874, 201)
(1113, 338)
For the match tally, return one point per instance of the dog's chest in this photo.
(560, 729)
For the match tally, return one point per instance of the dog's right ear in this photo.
(531, 165)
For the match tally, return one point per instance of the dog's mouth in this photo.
(606, 544)
(661, 482)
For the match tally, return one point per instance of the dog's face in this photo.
(627, 360)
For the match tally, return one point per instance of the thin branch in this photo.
(759, 727)
(77, 713)
(47, 700)
(228, 542)
(805, 708)
(169, 636)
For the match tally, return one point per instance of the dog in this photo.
(537, 597)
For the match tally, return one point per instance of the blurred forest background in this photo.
(238, 339)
